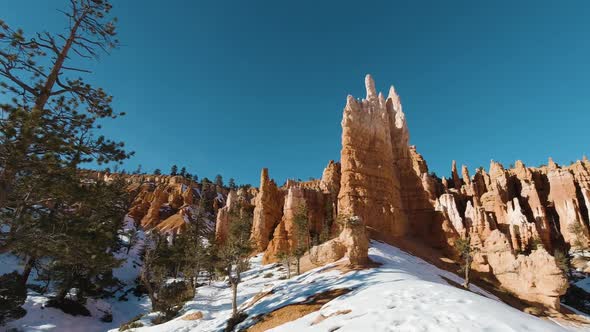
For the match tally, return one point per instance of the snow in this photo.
(584, 284)
(41, 318)
(405, 293)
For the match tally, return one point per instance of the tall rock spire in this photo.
(370, 86)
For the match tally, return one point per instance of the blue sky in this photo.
(230, 87)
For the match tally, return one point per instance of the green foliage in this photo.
(231, 183)
(158, 171)
(302, 238)
(12, 296)
(301, 223)
(580, 242)
(174, 170)
(234, 321)
(133, 323)
(466, 251)
(49, 127)
(219, 180)
(285, 259)
(562, 261)
(68, 306)
(180, 256)
(232, 255)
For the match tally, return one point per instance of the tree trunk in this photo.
(467, 268)
(288, 266)
(64, 291)
(234, 300)
(59, 62)
(27, 270)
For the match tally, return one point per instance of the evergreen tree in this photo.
(285, 259)
(580, 241)
(158, 171)
(233, 254)
(231, 183)
(301, 223)
(218, 180)
(563, 262)
(48, 128)
(52, 113)
(183, 171)
(174, 170)
(466, 250)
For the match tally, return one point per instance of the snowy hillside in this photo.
(403, 294)
(42, 318)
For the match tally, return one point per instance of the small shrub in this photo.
(268, 275)
(12, 297)
(107, 317)
(68, 306)
(234, 321)
(283, 278)
(171, 298)
(132, 325)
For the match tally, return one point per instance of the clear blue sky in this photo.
(233, 86)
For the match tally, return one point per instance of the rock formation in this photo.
(534, 277)
(515, 217)
(386, 183)
(223, 217)
(267, 212)
(352, 243)
(369, 186)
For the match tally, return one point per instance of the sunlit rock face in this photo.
(267, 211)
(386, 183)
(370, 186)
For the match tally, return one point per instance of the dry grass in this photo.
(321, 317)
(193, 316)
(294, 311)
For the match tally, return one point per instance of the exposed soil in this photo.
(295, 311)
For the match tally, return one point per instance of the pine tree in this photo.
(48, 128)
(466, 250)
(158, 171)
(233, 254)
(183, 171)
(51, 110)
(301, 223)
(218, 180)
(231, 183)
(173, 170)
(580, 242)
(285, 259)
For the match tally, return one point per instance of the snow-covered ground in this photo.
(405, 293)
(41, 318)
